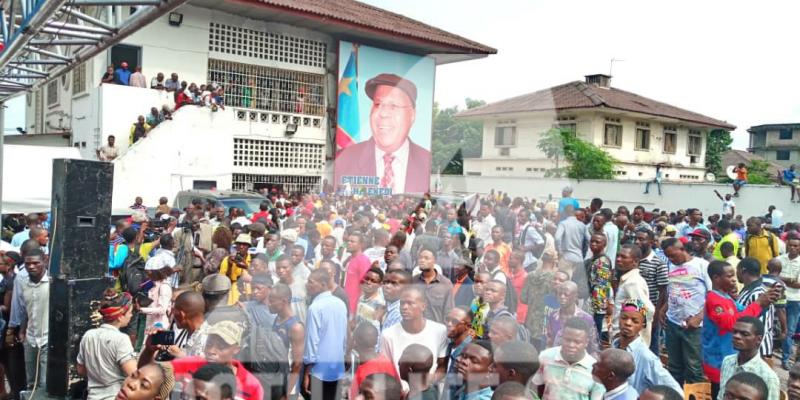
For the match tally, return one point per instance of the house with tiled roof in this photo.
(637, 131)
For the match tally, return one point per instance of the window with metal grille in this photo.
(785, 134)
(613, 135)
(265, 88)
(79, 79)
(642, 136)
(243, 42)
(695, 143)
(289, 183)
(783, 155)
(278, 154)
(670, 139)
(52, 93)
(505, 136)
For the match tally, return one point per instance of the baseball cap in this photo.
(700, 233)
(289, 234)
(394, 81)
(244, 239)
(216, 283)
(228, 331)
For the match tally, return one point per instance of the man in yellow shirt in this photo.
(760, 244)
(724, 230)
(236, 266)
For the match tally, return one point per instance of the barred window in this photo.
(238, 41)
(79, 79)
(278, 154)
(670, 139)
(289, 183)
(265, 88)
(52, 93)
(695, 143)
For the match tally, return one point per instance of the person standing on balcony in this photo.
(137, 79)
(157, 82)
(108, 77)
(172, 84)
(122, 75)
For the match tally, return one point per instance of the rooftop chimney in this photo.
(600, 80)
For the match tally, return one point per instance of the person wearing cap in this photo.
(122, 75)
(649, 370)
(222, 345)
(105, 355)
(236, 266)
(699, 244)
(566, 200)
(389, 154)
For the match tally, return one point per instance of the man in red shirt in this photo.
(356, 266)
(262, 213)
(222, 345)
(365, 340)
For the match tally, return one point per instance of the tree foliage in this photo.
(758, 173)
(719, 141)
(586, 161)
(454, 139)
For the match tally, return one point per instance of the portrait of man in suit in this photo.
(389, 154)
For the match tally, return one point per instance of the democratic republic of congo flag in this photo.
(347, 120)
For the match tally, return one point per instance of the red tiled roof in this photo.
(369, 17)
(574, 95)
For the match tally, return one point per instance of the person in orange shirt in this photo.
(500, 247)
(741, 178)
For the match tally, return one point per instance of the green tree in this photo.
(719, 141)
(586, 161)
(454, 139)
(758, 173)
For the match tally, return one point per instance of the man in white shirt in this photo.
(631, 287)
(108, 152)
(482, 226)
(414, 328)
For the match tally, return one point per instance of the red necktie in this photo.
(388, 175)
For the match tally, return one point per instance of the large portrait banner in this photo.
(384, 119)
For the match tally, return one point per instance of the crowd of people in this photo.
(210, 95)
(394, 298)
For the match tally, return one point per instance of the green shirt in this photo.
(757, 366)
(733, 238)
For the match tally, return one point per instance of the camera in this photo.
(151, 235)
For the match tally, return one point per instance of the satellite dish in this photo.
(729, 171)
(710, 177)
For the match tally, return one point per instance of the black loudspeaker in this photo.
(79, 232)
(80, 218)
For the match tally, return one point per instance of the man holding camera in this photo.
(236, 266)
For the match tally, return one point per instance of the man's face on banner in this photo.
(391, 117)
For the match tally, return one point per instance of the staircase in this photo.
(197, 144)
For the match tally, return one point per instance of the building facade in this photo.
(779, 143)
(638, 132)
(278, 65)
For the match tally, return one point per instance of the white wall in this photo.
(195, 145)
(754, 199)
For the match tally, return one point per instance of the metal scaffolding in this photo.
(44, 39)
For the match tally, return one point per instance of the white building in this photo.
(277, 61)
(638, 132)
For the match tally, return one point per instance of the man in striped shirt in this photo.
(654, 271)
(749, 272)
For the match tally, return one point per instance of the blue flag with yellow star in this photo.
(347, 119)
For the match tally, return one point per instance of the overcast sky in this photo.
(735, 61)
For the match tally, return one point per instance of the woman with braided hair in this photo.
(106, 355)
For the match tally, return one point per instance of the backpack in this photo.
(511, 293)
(266, 356)
(132, 275)
(522, 332)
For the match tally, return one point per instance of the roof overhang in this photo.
(618, 111)
(345, 30)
